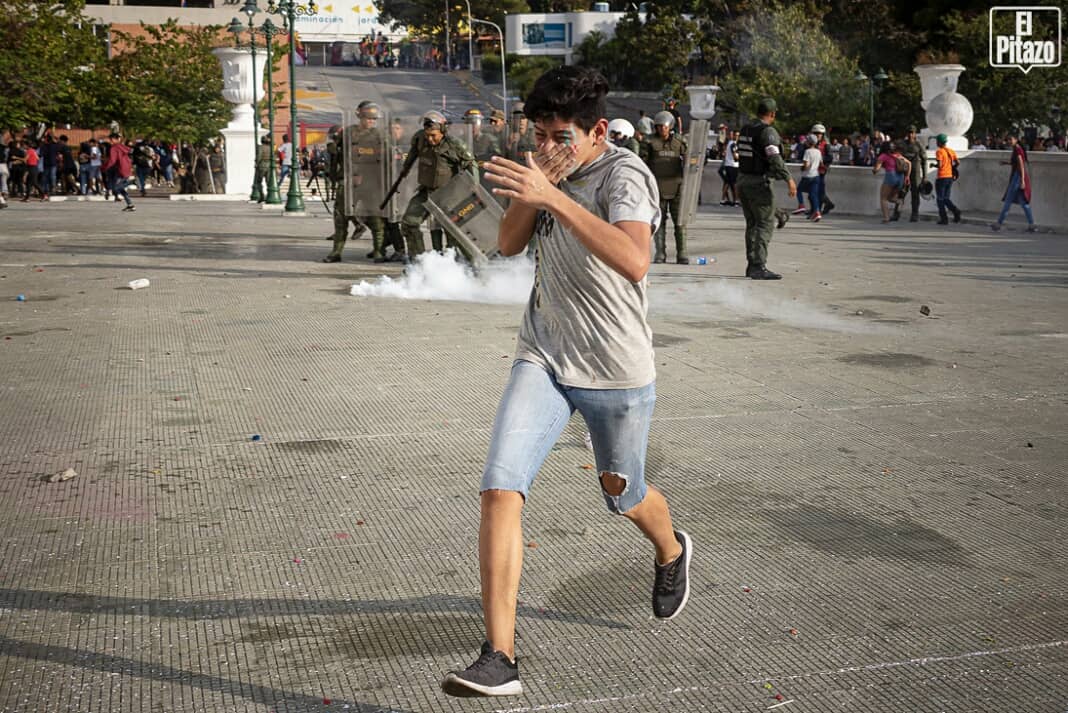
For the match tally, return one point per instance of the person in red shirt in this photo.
(33, 171)
(119, 160)
(1019, 190)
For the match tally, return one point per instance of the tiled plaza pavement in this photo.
(877, 497)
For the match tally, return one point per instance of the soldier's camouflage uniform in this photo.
(665, 159)
(437, 164)
(759, 163)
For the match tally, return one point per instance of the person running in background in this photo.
(810, 177)
(890, 160)
(1019, 189)
(120, 163)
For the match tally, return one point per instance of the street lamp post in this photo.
(470, 39)
(236, 28)
(289, 10)
(880, 76)
(504, 70)
(269, 30)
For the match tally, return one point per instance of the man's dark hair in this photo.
(569, 93)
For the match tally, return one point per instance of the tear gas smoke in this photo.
(440, 277)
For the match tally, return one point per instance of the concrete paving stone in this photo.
(939, 585)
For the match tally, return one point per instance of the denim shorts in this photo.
(896, 180)
(533, 413)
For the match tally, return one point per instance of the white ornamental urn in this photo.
(240, 134)
(237, 70)
(937, 78)
(702, 100)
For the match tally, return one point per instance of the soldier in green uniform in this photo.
(665, 153)
(484, 144)
(362, 185)
(521, 138)
(915, 152)
(263, 166)
(621, 133)
(398, 153)
(440, 157)
(332, 154)
(760, 162)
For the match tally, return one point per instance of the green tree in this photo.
(49, 63)
(171, 83)
(644, 54)
(1002, 98)
(426, 18)
(781, 51)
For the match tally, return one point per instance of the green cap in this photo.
(766, 106)
(941, 139)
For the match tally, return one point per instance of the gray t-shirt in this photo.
(585, 323)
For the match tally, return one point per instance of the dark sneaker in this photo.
(129, 209)
(827, 207)
(995, 227)
(491, 675)
(682, 261)
(764, 274)
(332, 258)
(956, 216)
(672, 587)
(781, 218)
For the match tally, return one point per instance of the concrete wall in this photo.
(982, 183)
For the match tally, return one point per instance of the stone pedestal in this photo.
(240, 138)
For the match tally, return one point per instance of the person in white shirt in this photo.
(728, 170)
(285, 153)
(810, 177)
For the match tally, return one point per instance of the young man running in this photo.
(584, 345)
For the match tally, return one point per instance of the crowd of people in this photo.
(904, 162)
(37, 167)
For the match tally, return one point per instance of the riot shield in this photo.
(401, 131)
(366, 162)
(469, 214)
(692, 169)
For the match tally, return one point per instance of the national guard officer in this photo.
(759, 162)
(915, 152)
(361, 192)
(665, 154)
(484, 144)
(332, 155)
(621, 133)
(521, 139)
(263, 165)
(498, 124)
(440, 157)
(398, 153)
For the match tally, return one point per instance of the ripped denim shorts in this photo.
(533, 413)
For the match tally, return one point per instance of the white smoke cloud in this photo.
(693, 298)
(440, 277)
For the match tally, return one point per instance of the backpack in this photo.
(901, 166)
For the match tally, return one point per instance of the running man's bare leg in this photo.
(652, 517)
(500, 560)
